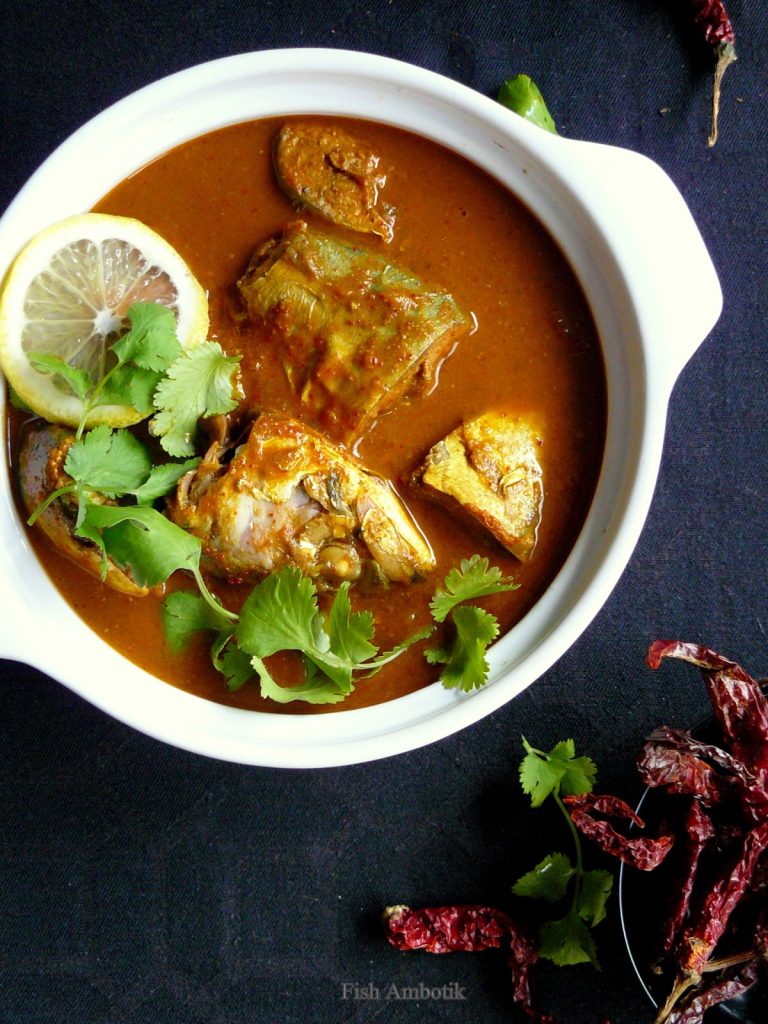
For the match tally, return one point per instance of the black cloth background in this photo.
(140, 883)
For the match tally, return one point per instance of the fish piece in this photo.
(289, 497)
(355, 331)
(42, 452)
(334, 174)
(490, 467)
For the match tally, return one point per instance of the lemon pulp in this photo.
(67, 294)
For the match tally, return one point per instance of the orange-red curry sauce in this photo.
(534, 352)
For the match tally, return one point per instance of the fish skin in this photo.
(355, 332)
(334, 174)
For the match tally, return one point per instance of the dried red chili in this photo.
(701, 937)
(666, 761)
(712, 18)
(739, 704)
(732, 781)
(699, 830)
(468, 929)
(674, 760)
(641, 852)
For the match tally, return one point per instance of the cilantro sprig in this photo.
(139, 358)
(463, 655)
(567, 939)
(473, 579)
(152, 374)
(113, 464)
(106, 465)
(197, 384)
(282, 614)
(150, 545)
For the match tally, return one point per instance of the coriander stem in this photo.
(89, 404)
(58, 493)
(375, 664)
(579, 869)
(209, 599)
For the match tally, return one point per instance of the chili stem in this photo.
(686, 981)
(681, 986)
(729, 961)
(726, 55)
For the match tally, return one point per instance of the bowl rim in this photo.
(623, 493)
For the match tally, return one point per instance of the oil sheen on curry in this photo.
(421, 382)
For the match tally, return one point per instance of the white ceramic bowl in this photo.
(640, 259)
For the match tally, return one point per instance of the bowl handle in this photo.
(670, 272)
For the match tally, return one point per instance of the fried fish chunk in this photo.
(334, 174)
(289, 497)
(489, 466)
(42, 453)
(355, 331)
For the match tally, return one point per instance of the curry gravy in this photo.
(534, 352)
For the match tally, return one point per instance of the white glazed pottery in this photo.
(654, 296)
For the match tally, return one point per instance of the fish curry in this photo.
(421, 382)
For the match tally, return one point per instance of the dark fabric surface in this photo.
(140, 883)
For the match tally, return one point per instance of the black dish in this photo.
(642, 904)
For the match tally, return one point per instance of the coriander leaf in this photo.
(350, 634)
(471, 580)
(278, 615)
(143, 539)
(233, 663)
(316, 688)
(186, 613)
(107, 461)
(562, 751)
(438, 655)
(151, 342)
(578, 777)
(86, 529)
(560, 770)
(281, 614)
(161, 479)
(129, 385)
(595, 889)
(198, 383)
(567, 941)
(548, 880)
(539, 776)
(78, 380)
(464, 655)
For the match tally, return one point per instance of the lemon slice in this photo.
(67, 294)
